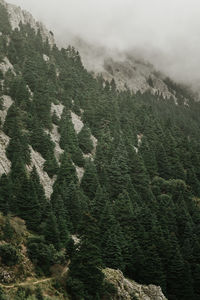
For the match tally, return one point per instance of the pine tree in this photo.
(5, 194)
(28, 205)
(162, 162)
(85, 279)
(62, 221)
(99, 202)
(118, 172)
(50, 230)
(8, 231)
(84, 139)
(148, 157)
(89, 182)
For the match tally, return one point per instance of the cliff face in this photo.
(17, 15)
(129, 289)
(125, 68)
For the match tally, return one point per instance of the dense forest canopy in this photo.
(136, 207)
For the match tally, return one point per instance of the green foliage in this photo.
(141, 185)
(9, 255)
(8, 231)
(84, 139)
(42, 254)
(2, 294)
(85, 278)
(4, 20)
(89, 182)
(68, 139)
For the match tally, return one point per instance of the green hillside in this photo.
(136, 207)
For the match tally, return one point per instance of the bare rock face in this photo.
(76, 120)
(55, 137)
(5, 164)
(129, 289)
(17, 15)
(7, 102)
(57, 109)
(5, 65)
(80, 172)
(38, 161)
(125, 68)
(136, 75)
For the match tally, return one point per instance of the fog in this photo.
(165, 32)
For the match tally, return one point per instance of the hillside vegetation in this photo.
(102, 178)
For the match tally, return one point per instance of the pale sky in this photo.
(166, 32)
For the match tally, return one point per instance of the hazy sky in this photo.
(167, 32)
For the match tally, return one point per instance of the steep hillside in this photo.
(128, 69)
(103, 178)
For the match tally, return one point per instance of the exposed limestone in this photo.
(80, 172)
(30, 92)
(7, 102)
(126, 69)
(139, 138)
(17, 15)
(55, 137)
(5, 65)
(78, 125)
(75, 239)
(58, 109)
(136, 149)
(127, 289)
(45, 57)
(88, 156)
(94, 141)
(5, 164)
(76, 120)
(38, 161)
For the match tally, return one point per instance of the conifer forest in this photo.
(135, 207)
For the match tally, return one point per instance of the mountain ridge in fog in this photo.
(166, 33)
(135, 67)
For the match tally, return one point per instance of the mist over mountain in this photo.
(166, 33)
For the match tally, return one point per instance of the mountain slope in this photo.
(102, 177)
(128, 69)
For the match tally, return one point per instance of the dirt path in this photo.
(27, 282)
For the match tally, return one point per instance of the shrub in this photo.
(9, 255)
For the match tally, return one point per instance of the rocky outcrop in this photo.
(136, 75)
(78, 125)
(55, 137)
(76, 120)
(125, 68)
(46, 58)
(5, 65)
(129, 289)
(57, 109)
(17, 15)
(38, 161)
(7, 102)
(5, 164)
(80, 172)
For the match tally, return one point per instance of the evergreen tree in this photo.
(8, 231)
(50, 230)
(89, 182)
(84, 139)
(85, 279)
